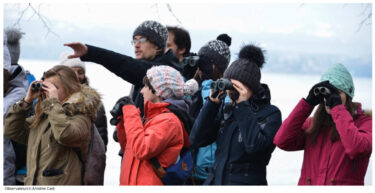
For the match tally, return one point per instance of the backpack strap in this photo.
(160, 171)
(16, 72)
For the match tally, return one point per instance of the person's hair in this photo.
(216, 73)
(147, 83)
(69, 82)
(322, 121)
(181, 38)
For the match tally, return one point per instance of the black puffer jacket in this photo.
(130, 69)
(244, 137)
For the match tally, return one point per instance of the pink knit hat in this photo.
(168, 82)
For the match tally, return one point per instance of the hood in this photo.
(261, 98)
(171, 60)
(86, 102)
(180, 107)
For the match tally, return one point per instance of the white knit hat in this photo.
(74, 62)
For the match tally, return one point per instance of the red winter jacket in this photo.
(343, 162)
(160, 135)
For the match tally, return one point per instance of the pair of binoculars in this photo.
(321, 90)
(222, 84)
(37, 86)
(191, 61)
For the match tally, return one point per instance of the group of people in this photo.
(220, 113)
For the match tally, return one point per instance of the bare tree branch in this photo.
(170, 10)
(366, 19)
(40, 16)
(22, 13)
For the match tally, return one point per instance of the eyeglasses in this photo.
(141, 40)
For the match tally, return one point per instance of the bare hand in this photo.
(50, 90)
(79, 49)
(244, 91)
(31, 95)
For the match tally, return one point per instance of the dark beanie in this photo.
(154, 32)
(246, 68)
(217, 51)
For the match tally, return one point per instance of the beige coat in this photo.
(51, 159)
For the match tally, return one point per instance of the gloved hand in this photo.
(126, 100)
(205, 66)
(313, 99)
(333, 100)
(117, 109)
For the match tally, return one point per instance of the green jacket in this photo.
(51, 159)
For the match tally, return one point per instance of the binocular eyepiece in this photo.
(191, 61)
(37, 86)
(222, 84)
(321, 90)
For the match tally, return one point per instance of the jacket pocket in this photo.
(52, 177)
(52, 172)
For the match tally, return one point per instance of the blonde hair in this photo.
(69, 82)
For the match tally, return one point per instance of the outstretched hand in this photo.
(79, 49)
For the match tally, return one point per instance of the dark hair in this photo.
(181, 38)
(147, 83)
(322, 121)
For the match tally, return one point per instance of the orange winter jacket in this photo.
(161, 135)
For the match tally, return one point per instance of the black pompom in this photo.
(225, 38)
(252, 53)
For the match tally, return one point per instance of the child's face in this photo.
(148, 95)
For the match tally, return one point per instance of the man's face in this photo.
(144, 49)
(172, 45)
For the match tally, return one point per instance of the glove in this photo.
(333, 100)
(117, 109)
(126, 100)
(313, 99)
(205, 66)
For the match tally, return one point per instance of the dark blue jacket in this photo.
(244, 136)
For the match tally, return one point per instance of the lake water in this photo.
(286, 90)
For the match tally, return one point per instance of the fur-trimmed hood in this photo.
(86, 102)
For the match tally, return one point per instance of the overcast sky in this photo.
(288, 28)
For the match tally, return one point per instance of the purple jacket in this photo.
(343, 162)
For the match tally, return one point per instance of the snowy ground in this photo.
(286, 90)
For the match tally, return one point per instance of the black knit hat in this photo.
(154, 32)
(246, 68)
(217, 51)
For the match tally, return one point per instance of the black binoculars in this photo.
(115, 112)
(222, 84)
(37, 86)
(321, 90)
(191, 61)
